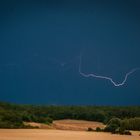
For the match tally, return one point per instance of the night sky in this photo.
(40, 45)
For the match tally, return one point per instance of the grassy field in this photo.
(44, 134)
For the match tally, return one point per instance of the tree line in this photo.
(13, 115)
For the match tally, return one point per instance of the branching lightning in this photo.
(105, 77)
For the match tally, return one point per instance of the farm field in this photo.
(43, 134)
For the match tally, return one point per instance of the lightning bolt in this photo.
(105, 77)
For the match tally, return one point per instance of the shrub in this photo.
(115, 121)
(49, 120)
(98, 129)
(126, 132)
(90, 129)
(131, 124)
(121, 130)
(111, 128)
(113, 125)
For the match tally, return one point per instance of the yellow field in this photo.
(69, 125)
(76, 125)
(44, 134)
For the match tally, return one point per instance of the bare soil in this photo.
(46, 134)
(75, 125)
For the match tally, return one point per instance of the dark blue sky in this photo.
(40, 44)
